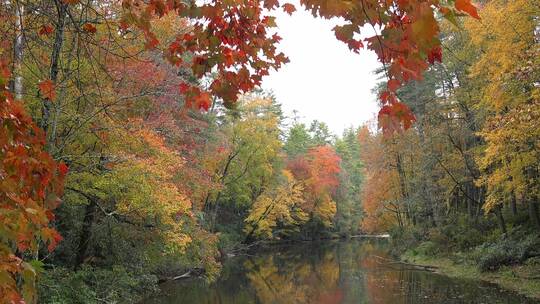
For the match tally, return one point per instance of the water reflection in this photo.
(329, 272)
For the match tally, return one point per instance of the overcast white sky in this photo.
(324, 80)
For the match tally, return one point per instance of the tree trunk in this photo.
(481, 200)
(86, 233)
(513, 204)
(403, 187)
(207, 204)
(16, 85)
(500, 218)
(399, 219)
(61, 8)
(533, 212)
(469, 207)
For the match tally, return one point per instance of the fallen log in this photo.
(416, 266)
(376, 236)
(194, 272)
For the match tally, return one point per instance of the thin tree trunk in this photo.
(481, 199)
(61, 8)
(532, 174)
(399, 219)
(213, 216)
(403, 188)
(16, 86)
(469, 205)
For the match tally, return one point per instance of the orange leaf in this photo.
(467, 7)
(270, 4)
(46, 30)
(89, 28)
(46, 89)
(184, 88)
(203, 101)
(288, 8)
(52, 236)
(63, 168)
(393, 85)
(151, 41)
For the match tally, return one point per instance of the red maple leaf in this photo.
(46, 89)
(289, 8)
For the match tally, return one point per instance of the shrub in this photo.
(403, 239)
(94, 285)
(464, 234)
(507, 251)
(427, 248)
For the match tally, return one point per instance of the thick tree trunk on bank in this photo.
(513, 204)
(86, 232)
(533, 213)
(500, 218)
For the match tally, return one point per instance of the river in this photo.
(329, 272)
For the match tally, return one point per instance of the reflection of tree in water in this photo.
(270, 285)
(293, 281)
(328, 273)
(312, 274)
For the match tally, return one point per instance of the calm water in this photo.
(329, 272)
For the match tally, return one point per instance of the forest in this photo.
(136, 143)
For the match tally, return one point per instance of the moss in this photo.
(522, 279)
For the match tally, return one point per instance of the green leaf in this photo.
(451, 17)
(37, 265)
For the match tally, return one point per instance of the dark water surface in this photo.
(329, 272)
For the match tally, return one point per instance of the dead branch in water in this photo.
(415, 266)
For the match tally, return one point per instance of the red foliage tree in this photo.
(31, 183)
(319, 171)
(324, 166)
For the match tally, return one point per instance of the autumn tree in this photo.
(250, 151)
(508, 67)
(463, 178)
(380, 191)
(30, 189)
(277, 208)
(319, 171)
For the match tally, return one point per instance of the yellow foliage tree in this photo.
(508, 65)
(278, 207)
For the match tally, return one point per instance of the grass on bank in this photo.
(524, 279)
(476, 249)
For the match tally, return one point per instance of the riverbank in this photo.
(523, 279)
